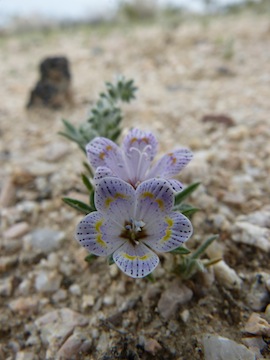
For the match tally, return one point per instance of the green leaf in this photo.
(92, 200)
(90, 258)
(87, 183)
(78, 205)
(203, 247)
(150, 277)
(181, 251)
(88, 169)
(180, 197)
(110, 259)
(186, 209)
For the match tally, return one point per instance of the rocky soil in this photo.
(53, 305)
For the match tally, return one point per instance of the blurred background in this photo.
(31, 11)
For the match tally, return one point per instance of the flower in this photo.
(129, 223)
(133, 161)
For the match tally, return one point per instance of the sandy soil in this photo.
(185, 72)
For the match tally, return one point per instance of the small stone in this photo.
(246, 233)
(6, 287)
(16, 230)
(227, 276)
(152, 346)
(56, 326)
(217, 347)
(25, 286)
(170, 300)
(8, 193)
(151, 294)
(75, 289)
(108, 300)
(47, 282)
(258, 296)
(114, 271)
(255, 344)
(56, 151)
(88, 301)
(8, 262)
(184, 315)
(60, 295)
(24, 305)
(77, 343)
(45, 240)
(25, 355)
(256, 325)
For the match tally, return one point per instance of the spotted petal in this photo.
(102, 172)
(171, 164)
(144, 141)
(136, 261)
(115, 198)
(104, 152)
(177, 230)
(154, 198)
(98, 235)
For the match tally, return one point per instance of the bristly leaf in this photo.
(180, 197)
(87, 183)
(92, 200)
(105, 117)
(90, 258)
(78, 205)
(181, 250)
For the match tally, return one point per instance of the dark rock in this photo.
(219, 119)
(53, 90)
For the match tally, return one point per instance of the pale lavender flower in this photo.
(129, 223)
(133, 161)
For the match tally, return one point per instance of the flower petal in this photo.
(176, 185)
(115, 198)
(104, 152)
(102, 172)
(176, 230)
(171, 164)
(155, 198)
(144, 141)
(136, 261)
(98, 235)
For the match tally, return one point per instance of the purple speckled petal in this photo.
(115, 198)
(136, 261)
(171, 164)
(155, 198)
(102, 172)
(100, 149)
(98, 235)
(144, 141)
(176, 185)
(169, 234)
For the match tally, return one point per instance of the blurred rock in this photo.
(227, 276)
(170, 300)
(218, 119)
(259, 296)
(77, 343)
(44, 240)
(17, 230)
(246, 233)
(47, 282)
(220, 348)
(8, 193)
(56, 326)
(24, 305)
(257, 325)
(53, 90)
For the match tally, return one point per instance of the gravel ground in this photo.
(56, 306)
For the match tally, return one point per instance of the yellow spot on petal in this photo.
(133, 140)
(129, 257)
(98, 225)
(109, 147)
(173, 158)
(109, 200)
(160, 204)
(145, 139)
(102, 155)
(168, 233)
(135, 257)
(100, 241)
(147, 194)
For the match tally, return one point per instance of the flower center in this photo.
(133, 231)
